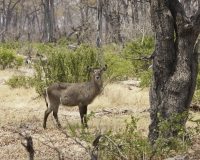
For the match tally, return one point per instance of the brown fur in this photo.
(73, 94)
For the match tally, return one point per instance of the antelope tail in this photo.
(46, 96)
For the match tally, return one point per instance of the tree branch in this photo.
(143, 56)
(96, 142)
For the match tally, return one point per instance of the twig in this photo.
(96, 142)
(74, 139)
(144, 57)
(52, 147)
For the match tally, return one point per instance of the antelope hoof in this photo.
(58, 125)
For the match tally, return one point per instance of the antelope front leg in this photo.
(83, 113)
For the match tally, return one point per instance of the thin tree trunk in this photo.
(99, 21)
(106, 2)
(51, 21)
(45, 20)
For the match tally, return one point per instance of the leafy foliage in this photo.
(9, 59)
(128, 142)
(10, 45)
(65, 66)
(119, 68)
(177, 141)
(63, 41)
(139, 48)
(45, 49)
(21, 81)
(145, 77)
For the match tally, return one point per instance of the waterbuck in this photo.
(73, 94)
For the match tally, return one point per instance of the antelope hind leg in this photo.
(46, 114)
(55, 114)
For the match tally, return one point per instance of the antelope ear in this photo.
(104, 68)
(90, 69)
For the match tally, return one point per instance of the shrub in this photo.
(146, 78)
(65, 66)
(10, 45)
(119, 68)
(7, 58)
(63, 41)
(19, 60)
(128, 142)
(136, 49)
(20, 81)
(43, 48)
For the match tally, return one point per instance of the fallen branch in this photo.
(28, 145)
(96, 142)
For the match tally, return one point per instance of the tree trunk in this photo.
(45, 21)
(51, 21)
(134, 11)
(175, 62)
(198, 4)
(99, 25)
(48, 30)
(106, 6)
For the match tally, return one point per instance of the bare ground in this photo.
(21, 111)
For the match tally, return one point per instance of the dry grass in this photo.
(22, 111)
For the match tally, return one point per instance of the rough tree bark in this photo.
(48, 31)
(99, 25)
(175, 62)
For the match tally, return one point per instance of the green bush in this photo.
(165, 142)
(9, 59)
(45, 49)
(139, 48)
(119, 68)
(65, 66)
(63, 41)
(10, 45)
(146, 79)
(128, 142)
(21, 81)
(19, 60)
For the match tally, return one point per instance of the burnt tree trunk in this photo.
(175, 62)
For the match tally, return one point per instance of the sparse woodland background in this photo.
(50, 20)
(70, 35)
